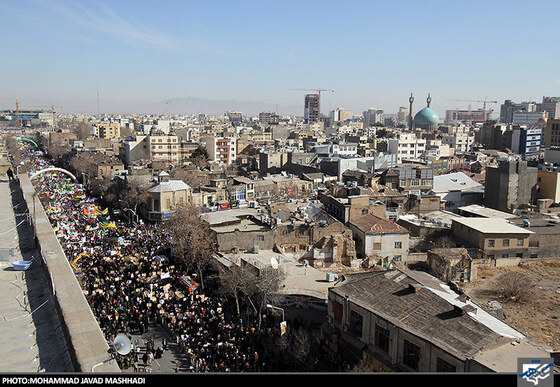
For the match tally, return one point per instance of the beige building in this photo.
(350, 208)
(108, 130)
(167, 195)
(164, 147)
(552, 133)
(548, 185)
(495, 237)
(380, 239)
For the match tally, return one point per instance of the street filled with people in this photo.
(133, 285)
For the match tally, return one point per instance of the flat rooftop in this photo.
(493, 226)
(485, 212)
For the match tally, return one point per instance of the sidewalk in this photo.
(30, 332)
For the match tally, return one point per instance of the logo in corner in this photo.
(535, 372)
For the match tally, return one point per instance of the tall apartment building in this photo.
(107, 130)
(526, 142)
(312, 108)
(269, 118)
(402, 115)
(406, 146)
(373, 116)
(222, 149)
(340, 115)
(551, 105)
(164, 147)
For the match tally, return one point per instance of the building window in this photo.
(364, 211)
(491, 243)
(411, 355)
(382, 335)
(506, 242)
(356, 323)
(443, 366)
(519, 242)
(398, 245)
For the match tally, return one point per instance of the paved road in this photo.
(30, 331)
(170, 360)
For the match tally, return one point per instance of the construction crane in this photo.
(485, 101)
(318, 91)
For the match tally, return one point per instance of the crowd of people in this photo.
(131, 287)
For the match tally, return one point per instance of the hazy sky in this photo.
(372, 53)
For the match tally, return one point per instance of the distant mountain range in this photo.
(182, 105)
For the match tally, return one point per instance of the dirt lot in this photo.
(537, 317)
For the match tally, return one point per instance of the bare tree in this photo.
(302, 344)
(13, 148)
(193, 240)
(104, 187)
(83, 130)
(134, 195)
(515, 287)
(232, 283)
(85, 164)
(56, 151)
(262, 288)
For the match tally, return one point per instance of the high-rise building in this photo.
(526, 142)
(222, 149)
(372, 116)
(551, 105)
(269, 118)
(312, 108)
(402, 115)
(508, 108)
(236, 118)
(340, 115)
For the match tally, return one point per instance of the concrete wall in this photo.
(85, 340)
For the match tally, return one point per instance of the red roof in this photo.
(372, 224)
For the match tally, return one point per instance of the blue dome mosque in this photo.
(425, 118)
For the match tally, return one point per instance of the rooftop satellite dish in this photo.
(122, 344)
(274, 263)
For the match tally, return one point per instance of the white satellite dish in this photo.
(274, 263)
(122, 344)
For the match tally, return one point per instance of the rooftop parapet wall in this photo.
(86, 342)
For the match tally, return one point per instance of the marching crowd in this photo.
(132, 288)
